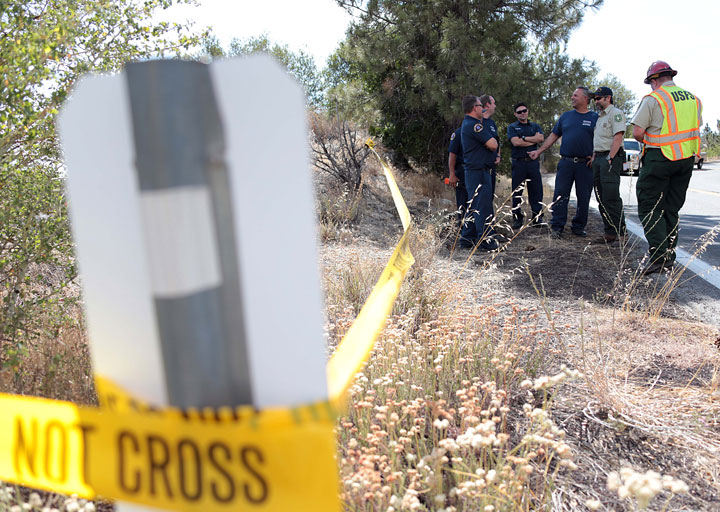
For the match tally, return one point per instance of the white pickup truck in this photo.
(633, 151)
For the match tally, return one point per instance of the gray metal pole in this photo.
(184, 187)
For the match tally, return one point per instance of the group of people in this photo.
(667, 122)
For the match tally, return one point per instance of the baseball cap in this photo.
(601, 91)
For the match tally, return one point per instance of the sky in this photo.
(314, 26)
(623, 37)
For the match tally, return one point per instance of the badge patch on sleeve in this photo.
(478, 127)
(452, 137)
(618, 117)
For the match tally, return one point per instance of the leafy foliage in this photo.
(711, 140)
(623, 98)
(412, 62)
(45, 47)
(299, 64)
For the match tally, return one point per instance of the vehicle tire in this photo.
(699, 164)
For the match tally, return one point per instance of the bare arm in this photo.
(517, 141)
(616, 144)
(548, 142)
(535, 139)
(529, 141)
(638, 133)
(491, 144)
(452, 160)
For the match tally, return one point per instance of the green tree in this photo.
(45, 47)
(299, 64)
(711, 141)
(412, 62)
(623, 98)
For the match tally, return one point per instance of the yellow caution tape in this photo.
(272, 460)
(354, 349)
(227, 459)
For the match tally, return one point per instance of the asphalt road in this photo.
(700, 214)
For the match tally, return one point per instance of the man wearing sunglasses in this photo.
(479, 153)
(524, 137)
(607, 163)
(576, 128)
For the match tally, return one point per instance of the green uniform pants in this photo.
(661, 189)
(606, 182)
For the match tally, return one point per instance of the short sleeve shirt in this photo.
(649, 116)
(474, 135)
(576, 131)
(456, 148)
(518, 129)
(490, 125)
(610, 121)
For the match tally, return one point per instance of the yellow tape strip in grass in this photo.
(355, 347)
(229, 459)
(274, 460)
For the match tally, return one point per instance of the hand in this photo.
(534, 154)
(497, 160)
(591, 160)
(453, 181)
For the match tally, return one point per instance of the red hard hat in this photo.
(659, 68)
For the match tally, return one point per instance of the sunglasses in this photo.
(521, 111)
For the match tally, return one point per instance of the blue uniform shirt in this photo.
(518, 129)
(576, 131)
(456, 147)
(490, 125)
(474, 135)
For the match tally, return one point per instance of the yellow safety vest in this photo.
(680, 134)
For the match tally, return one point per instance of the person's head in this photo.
(603, 97)
(658, 73)
(469, 103)
(521, 111)
(488, 104)
(580, 98)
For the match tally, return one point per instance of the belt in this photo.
(523, 159)
(576, 159)
(602, 152)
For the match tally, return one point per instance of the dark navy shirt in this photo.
(474, 135)
(576, 131)
(490, 125)
(456, 147)
(518, 129)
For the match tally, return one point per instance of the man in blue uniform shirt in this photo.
(479, 154)
(576, 128)
(457, 174)
(488, 109)
(524, 136)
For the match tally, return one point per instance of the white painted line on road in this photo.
(682, 257)
(704, 191)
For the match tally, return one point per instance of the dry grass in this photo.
(640, 425)
(465, 404)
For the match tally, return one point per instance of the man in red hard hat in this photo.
(668, 122)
